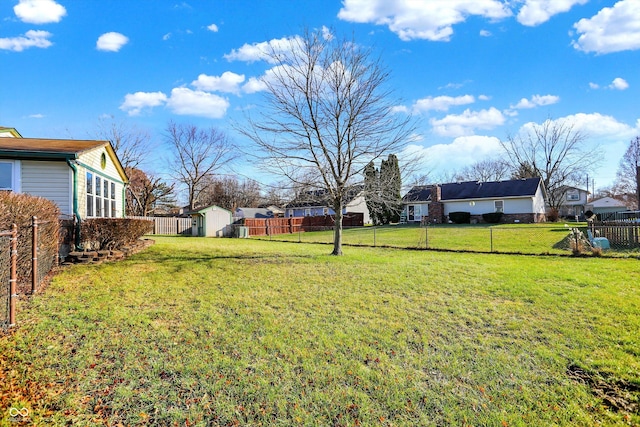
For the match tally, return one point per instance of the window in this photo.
(325, 211)
(101, 197)
(6, 176)
(307, 212)
(499, 205)
(573, 195)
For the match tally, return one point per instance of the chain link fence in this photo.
(533, 239)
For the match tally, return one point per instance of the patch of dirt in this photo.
(619, 396)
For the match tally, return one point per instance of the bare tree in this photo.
(230, 193)
(147, 194)
(628, 176)
(554, 151)
(328, 113)
(485, 171)
(131, 144)
(196, 155)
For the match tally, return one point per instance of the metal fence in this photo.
(164, 225)
(8, 261)
(534, 239)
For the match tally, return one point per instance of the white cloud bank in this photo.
(536, 12)
(32, 38)
(111, 42)
(227, 82)
(465, 124)
(39, 11)
(536, 101)
(441, 103)
(182, 101)
(613, 29)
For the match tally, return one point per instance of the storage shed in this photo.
(211, 221)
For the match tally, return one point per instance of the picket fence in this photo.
(165, 225)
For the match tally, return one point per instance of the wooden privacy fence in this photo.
(619, 234)
(167, 225)
(273, 226)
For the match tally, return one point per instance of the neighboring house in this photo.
(574, 201)
(606, 205)
(84, 178)
(520, 200)
(253, 213)
(211, 221)
(317, 203)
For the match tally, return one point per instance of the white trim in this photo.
(16, 175)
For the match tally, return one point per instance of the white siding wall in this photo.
(218, 222)
(109, 172)
(538, 202)
(479, 207)
(51, 180)
(359, 204)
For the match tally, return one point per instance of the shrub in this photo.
(19, 209)
(553, 215)
(492, 217)
(112, 233)
(460, 217)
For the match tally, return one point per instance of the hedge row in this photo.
(112, 233)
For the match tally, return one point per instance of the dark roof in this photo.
(477, 190)
(419, 193)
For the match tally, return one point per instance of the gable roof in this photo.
(62, 149)
(607, 202)
(254, 213)
(9, 132)
(474, 190)
(50, 148)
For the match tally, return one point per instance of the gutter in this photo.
(76, 211)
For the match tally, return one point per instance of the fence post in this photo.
(426, 237)
(13, 275)
(491, 238)
(34, 254)
(374, 236)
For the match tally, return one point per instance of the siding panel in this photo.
(51, 180)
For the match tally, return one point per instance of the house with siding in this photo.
(520, 200)
(317, 203)
(83, 177)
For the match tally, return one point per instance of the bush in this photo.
(19, 209)
(460, 217)
(112, 233)
(492, 217)
(553, 215)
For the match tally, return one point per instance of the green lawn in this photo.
(209, 332)
(545, 238)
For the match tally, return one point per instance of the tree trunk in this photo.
(337, 229)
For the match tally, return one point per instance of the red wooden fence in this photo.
(273, 226)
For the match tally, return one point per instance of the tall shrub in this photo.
(112, 233)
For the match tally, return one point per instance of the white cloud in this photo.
(400, 109)
(430, 20)
(36, 116)
(619, 84)
(326, 33)
(166, 37)
(213, 27)
(441, 103)
(535, 12)
(32, 38)
(135, 102)
(254, 85)
(187, 102)
(261, 51)
(111, 42)
(485, 33)
(464, 124)
(536, 101)
(613, 29)
(594, 85)
(39, 11)
(227, 82)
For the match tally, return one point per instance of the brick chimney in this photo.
(436, 207)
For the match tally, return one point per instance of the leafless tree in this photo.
(197, 154)
(485, 171)
(554, 151)
(628, 176)
(147, 194)
(131, 143)
(327, 114)
(230, 193)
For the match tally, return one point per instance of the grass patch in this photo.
(198, 331)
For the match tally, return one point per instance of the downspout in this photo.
(76, 212)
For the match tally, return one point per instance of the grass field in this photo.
(209, 332)
(535, 239)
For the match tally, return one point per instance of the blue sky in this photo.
(470, 72)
